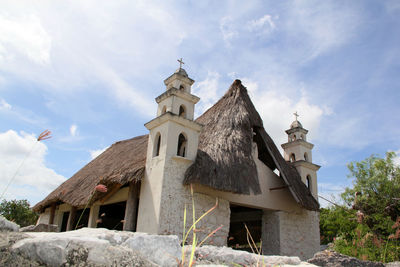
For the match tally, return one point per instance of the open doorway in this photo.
(111, 216)
(241, 216)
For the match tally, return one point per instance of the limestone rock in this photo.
(333, 259)
(393, 264)
(162, 250)
(225, 255)
(84, 247)
(42, 227)
(7, 226)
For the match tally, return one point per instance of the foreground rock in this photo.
(333, 259)
(102, 247)
(41, 227)
(7, 226)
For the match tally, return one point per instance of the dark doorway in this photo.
(241, 216)
(111, 216)
(64, 221)
(83, 221)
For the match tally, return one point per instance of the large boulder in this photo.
(84, 247)
(41, 227)
(329, 258)
(231, 257)
(161, 249)
(7, 226)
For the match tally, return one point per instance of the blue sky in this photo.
(89, 72)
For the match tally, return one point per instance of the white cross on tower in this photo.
(180, 63)
(296, 115)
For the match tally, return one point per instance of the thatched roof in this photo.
(120, 164)
(224, 158)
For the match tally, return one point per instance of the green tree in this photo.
(18, 211)
(375, 192)
(336, 221)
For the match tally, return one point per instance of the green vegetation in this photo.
(18, 211)
(367, 226)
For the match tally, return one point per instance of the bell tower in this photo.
(172, 147)
(299, 152)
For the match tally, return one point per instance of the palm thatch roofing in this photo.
(224, 158)
(120, 164)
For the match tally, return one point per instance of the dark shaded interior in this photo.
(83, 222)
(111, 216)
(241, 216)
(64, 221)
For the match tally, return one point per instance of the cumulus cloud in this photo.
(33, 175)
(73, 130)
(95, 153)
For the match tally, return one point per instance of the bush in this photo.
(18, 211)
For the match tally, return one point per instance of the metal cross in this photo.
(180, 63)
(296, 115)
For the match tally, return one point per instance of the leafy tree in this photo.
(376, 192)
(336, 221)
(18, 211)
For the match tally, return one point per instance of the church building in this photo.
(224, 158)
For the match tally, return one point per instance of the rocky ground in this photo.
(101, 247)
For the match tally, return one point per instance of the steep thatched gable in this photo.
(224, 159)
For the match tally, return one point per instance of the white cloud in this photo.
(73, 130)
(276, 110)
(331, 192)
(24, 35)
(33, 175)
(227, 29)
(4, 105)
(208, 92)
(264, 24)
(95, 153)
(320, 26)
(396, 160)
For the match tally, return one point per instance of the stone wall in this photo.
(176, 196)
(294, 234)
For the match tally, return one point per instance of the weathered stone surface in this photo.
(42, 227)
(162, 250)
(230, 257)
(393, 264)
(7, 226)
(333, 259)
(84, 247)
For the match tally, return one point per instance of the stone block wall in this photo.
(174, 199)
(294, 234)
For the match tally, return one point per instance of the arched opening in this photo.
(305, 156)
(308, 182)
(302, 137)
(292, 157)
(182, 143)
(182, 111)
(157, 144)
(182, 87)
(294, 137)
(164, 109)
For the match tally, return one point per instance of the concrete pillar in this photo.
(131, 207)
(93, 216)
(71, 219)
(52, 213)
(270, 236)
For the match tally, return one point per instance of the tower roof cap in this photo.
(181, 72)
(296, 124)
